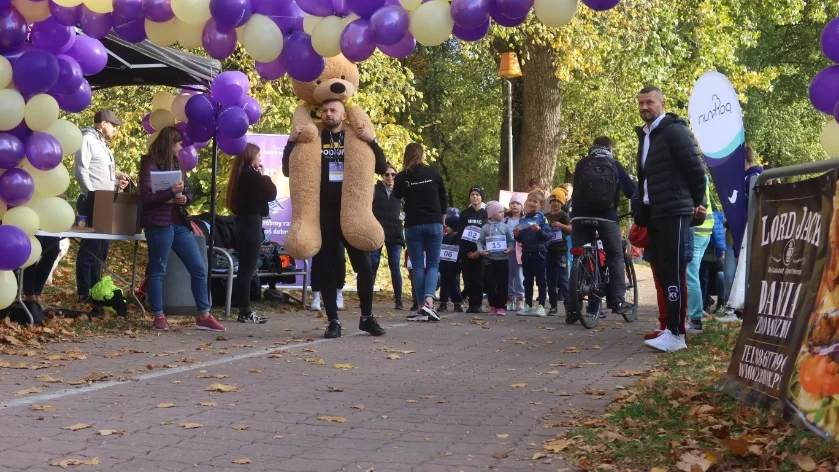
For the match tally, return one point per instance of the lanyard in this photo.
(332, 141)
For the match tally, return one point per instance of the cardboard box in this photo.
(116, 213)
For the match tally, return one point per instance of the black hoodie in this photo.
(470, 217)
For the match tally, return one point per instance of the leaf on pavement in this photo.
(629, 373)
(243, 460)
(191, 425)
(557, 445)
(73, 462)
(502, 436)
(393, 357)
(345, 366)
(77, 426)
(519, 385)
(595, 391)
(108, 432)
(410, 401)
(43, 408)
(241, 427)
(255, 371)
(358, 407)
(690, 462)
(219, 387)
(216, 376)
(315, 361)
(738, 447)
(572, 350)
(27, 391)
(165, 405)
(334, 389)
(805, 463)
(334, 419)
(597, 347)
(48, 379)
(207, 404)
(499, 454)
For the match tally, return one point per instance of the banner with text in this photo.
(778, 363)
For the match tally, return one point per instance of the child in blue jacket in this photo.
(533, 232)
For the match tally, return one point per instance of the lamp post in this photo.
(508, 70)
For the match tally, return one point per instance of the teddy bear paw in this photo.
(308, 134)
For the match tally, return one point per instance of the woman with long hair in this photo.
(388, 211)
(424, 195)
(248, 195)
(165, 222)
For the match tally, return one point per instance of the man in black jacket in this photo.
(388, 211)
(671, 176)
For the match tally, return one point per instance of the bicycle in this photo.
(590, 278)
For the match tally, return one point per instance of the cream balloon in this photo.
(100, 6)
(349, 19)
(55, 214)
(24, 218)
(162, 101)
(262, 39)
(5, 72)
(41, 112)
(189, 35)
(309, 23)
(67, 134)
(150, 139)
(35, 253)
(161, 34)
(3, 209)
(193, 12)
(326, 37)
(68, 3)
(410, 4)
(33, 12)
(830, 138)
(8, 288)
(179, 105)
(48, 183)
(432, 23)
(555, 13)
(160, 119)
(12, 109)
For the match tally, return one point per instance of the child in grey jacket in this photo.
(495, 243)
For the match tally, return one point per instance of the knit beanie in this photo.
(560, 194)
(452, 221)
(493, 208)
(516, 198)
(478, 189)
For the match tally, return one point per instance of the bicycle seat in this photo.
(590, 223)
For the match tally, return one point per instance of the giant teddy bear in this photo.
(339, 80)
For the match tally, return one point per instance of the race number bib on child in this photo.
(471, 233)
(496, 243)
(556, 236)
(448, 252)
(336, 171)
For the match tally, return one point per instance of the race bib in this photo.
(556, 236)
(600, 244)
(336, 171)
(496, 243)
(471, 233)
(449, 252)
(410, 266)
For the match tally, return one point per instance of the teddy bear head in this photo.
(339, 81)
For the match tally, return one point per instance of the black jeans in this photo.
(330, 228)
(610, 235)
(249, 236)
(667, 237)
(533, 266)
(557, 274)
(450, 282)
(35, 276)
(472, 270)
(318, 267)
(88, 268)
(496, 273)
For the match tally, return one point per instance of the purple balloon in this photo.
(15, 246)
(830, 40)
(159, 11)
(230, 87)
(271, 70)
(316, 7)
(389, 25)
(836, 111)
(182, 127)
(365, 8)
(232, 146)
(70, 75)
(78, 100)
(402, 49)
(230, 14)
(252, 109)
(498, 17)
(11, 151)
(52, 35)
(200, 133)
(470, 14)
(201, 145)
(824, 90)
(201, 109)
(36, 71)
(357, 42)
(269, 7)
(16, 188)
(147, 124)
(133, 31)
(300, 59)
(218, 44)
(12, 28)
(341, 8)
(44, 151)
(289, 18)
(90, 53)
(21, 131)
(188, 157)
(232, 121)
(95, 25)
(514, 8)
(67, 16)
(601, 5)
(472, 34)
(129, 9)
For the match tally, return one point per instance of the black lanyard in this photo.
(332, 141)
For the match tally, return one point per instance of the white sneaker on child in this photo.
(315, 306)
(339, 299)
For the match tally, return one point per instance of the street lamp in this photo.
(509, 69)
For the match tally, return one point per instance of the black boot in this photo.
(370, 325)
(333, 331)
(457, 308)
(399, 305)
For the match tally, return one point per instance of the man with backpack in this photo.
(598, 180)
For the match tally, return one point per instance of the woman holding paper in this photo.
(167, 229)
(424, 195)
(248, 195)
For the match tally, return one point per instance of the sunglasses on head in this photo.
(390, 174)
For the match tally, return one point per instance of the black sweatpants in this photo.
(667, 238)
(318, 268)
(450, 282)
(472, 270)
(249, 236)
(330, 229)
(496, 273)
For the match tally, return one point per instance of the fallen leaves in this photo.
(312, 360)
(572, 350)
(165, 405)
(207, 404)
(77, 426)
(241, 427)
(358, 407)
(805, 463)
(334, 389)
(108, 432)
(191, 425)
(393, 357)
(502, 436)
(27, 391)
(345, 366)
(499, 454)
(333, 419)
(595, 391)
(691, 462)
(48, 379)
(557, 445)
(518, 385)
(243, 460)
(34, 407)
(220, 387)
(74, 462)
(629, 373)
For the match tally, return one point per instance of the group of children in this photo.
(503, 253)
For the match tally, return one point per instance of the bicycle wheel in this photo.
(582, 284)
(631, 296)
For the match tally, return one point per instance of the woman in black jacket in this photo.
(248, 194)
(388, 210)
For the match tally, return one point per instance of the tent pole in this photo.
(212, 216)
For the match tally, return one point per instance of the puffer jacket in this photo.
(387, 210)
(674, 170)
(157, 211)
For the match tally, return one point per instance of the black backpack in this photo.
(596, 184)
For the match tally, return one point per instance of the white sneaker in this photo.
(512, 305)
(339, 299)
(525, 311)
(667, 342)
(540, 311)
(315, 306)
(729, 317)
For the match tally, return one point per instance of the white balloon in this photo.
(40, 112)
(35, 253)
(100, 6)
(55, 213)
(309, 23)
(12, 108)
(326, 37)
(8, 288)
(5, 72)
(432, 23)
(48, 183)
(161, 34)
(188, 34)
(349, 19)
(262, 38)
(24, 218)
(3, 207)
(410, 4)
(67, 134)
(555, 13)
(194, 12)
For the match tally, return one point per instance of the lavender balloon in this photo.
(601, 5)
(300, 59)
(271, 70)
(133, 31)
(252, 109)
(402, 49)
(357, 42)
(95, 25)
(43, 150)
(159, 11)
(473, 34)
(67, 16)
(129, 9)
(217, 43)
(21, 132)
(201, 109)
(269, 7)
(70, 75)
(198, 132)
(232, 121)
(341, 8)
(232, 146)
(289, 18)
(498, 17)
(470, 14)
(11, 151)
(824, 90)
(12, 28)
(230, 14)
(16, 188)
(15, 246)
(230, 87)
(389, 25)
(78, 100)
(201, 145)
(36, 71)
(514, 8)
(316, 7)
(90, 53)
(188, 157)
(830, 40)
(147, 124)
(52, 35)
(365, 8)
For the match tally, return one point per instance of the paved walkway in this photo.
(466, 394)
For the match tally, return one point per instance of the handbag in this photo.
(638, 236)
(640, 211)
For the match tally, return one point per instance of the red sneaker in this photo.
(653, 334)
(160, 323)
(209, 323)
